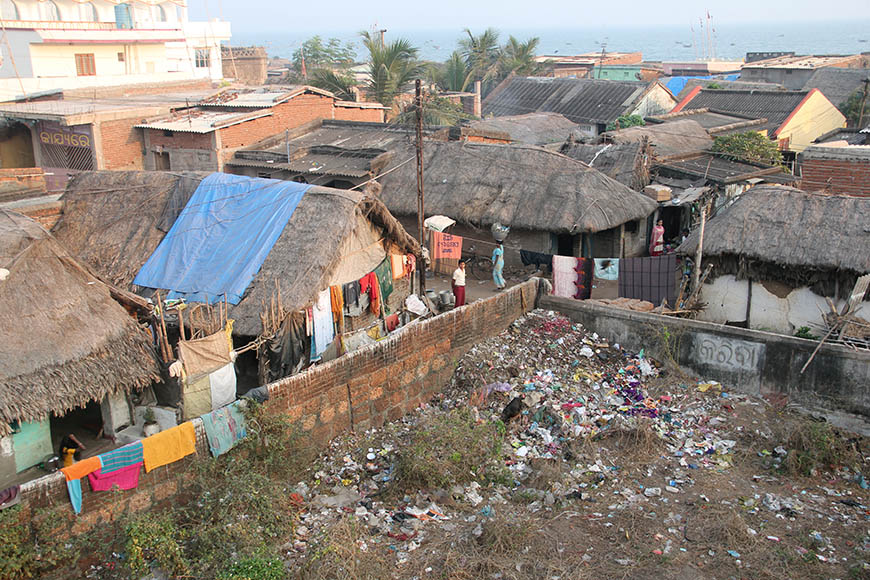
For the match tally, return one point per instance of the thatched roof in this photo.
(627, 163)
(531, 128)
(124, 217)
(667, 139)
(114, 220)
(790, 228)
(523, 187)
(66, 342)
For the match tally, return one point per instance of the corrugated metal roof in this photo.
(838, 84)
(201, 121)
(580, 100)
(259, 99)
(719, 169)
(775, 106)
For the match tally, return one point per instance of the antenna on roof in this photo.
(189, 119)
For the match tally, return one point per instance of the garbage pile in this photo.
(589, 428)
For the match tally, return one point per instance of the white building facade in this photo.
(53, 44)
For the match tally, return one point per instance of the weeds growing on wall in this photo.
(30, 548)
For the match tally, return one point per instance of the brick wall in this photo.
(21, 183)
(836, 176)
(297, 111)
(121, 144)
(375, 384)
(179, 140)
(383, 381)
(358, 114)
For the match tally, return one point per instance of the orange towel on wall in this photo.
(169, 446)
(82, 468)
(397, 261)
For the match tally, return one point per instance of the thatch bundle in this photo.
(774, 232)
(66, 342)
(666, 139)
(114, 220)
(524, 187)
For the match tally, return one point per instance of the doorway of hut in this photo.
(86, 424)
(672, 220)
(565, 245)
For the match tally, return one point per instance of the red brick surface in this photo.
(122, 145)
(852, 177)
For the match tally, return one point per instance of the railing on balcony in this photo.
(59, 25)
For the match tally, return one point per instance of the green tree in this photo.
(437, 111)
(392, 67)
(519, 57)
(455, 73)
(482, 55)
(851, 109)
(319, 54)
(626, 121)
(336, 82)
(748, 146)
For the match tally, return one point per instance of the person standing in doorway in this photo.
(657, 242)
(498, 266)
(459, 284)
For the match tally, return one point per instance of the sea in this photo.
(729, 41)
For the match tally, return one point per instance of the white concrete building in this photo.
(54, 44)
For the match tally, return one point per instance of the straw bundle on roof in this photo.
(524, 187)
(66, 342)
(627, 163)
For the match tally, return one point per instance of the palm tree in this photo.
(481, 54)
(455, 73)
(391, 67)
(519, 57)
(338, 84)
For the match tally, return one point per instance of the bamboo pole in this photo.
(700, 250)
(181, 321)
(164, 346)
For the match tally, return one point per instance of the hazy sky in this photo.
(250, 16)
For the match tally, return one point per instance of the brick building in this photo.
(206, 137)
(836, 169)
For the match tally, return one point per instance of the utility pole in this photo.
(421, 264)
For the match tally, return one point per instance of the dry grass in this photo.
(343, 552)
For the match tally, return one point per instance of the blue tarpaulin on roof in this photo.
(221, 238)
(676, 84)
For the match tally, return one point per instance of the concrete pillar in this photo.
(477, 107)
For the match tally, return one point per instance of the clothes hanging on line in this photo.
(536, 258)
(126, 477)
(397, 263)
(564, 276)
(169, 446)
(121, 457)
(351, 292)
(651, 279)
(324, 331)
(607, 268)
(585, 268)
(224, 428)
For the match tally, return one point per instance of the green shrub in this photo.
(804, 332)
(255, 568)
(153, 540)
(452, 448)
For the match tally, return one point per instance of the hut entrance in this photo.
(87, 426)
(565, 244)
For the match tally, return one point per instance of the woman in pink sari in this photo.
(657, 242)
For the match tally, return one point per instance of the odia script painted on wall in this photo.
(726, 353)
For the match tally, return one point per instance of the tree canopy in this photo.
(748, 146)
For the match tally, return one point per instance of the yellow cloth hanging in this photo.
(169, 446)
